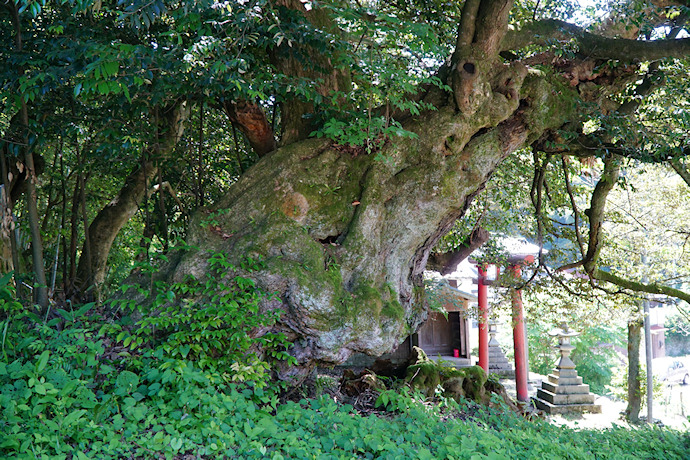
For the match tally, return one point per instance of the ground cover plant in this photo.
(70, 389)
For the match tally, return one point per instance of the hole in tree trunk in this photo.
(331, 240)
(469, 67)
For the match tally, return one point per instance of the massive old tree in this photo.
(374, 127)
(346, 233)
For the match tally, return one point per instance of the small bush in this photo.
(210, 322)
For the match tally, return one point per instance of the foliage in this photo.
(208, 322)
(67, 390)
(647, 215)
(619, 384)
(595, 356)
(677, 335)
(64, 396)
(542, 355)
(441, 296)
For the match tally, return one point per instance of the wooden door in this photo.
(436, 336)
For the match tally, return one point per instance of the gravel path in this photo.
(611, 411)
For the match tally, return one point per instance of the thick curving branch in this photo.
(595, 213)
(681, 169)
(447, 262)
(251, 121)
(594, 46)
(650, 288)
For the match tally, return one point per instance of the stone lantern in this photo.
(498, 363)
(564, 346)
(564, 392)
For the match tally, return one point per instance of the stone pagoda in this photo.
(564, 391)
(498, 363)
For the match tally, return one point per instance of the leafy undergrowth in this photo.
(69, 388)
(75, 398)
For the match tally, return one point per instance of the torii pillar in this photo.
(519, 334)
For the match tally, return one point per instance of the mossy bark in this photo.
(345, 238)
(427, 376)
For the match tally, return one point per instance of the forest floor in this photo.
(669, 412)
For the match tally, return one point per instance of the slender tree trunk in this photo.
(161, 207)
(63, 223)
(632, 412)
(85, 219)
(40, 285)
(107, 224)
(200, 160)
(110, 220)
(51, 197)
(6, 253)
(8, 242)
(74, 234)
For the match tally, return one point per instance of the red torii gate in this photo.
(515, 263)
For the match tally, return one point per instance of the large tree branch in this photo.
(251, 120)
(548, 31)
(475, 67)
(573, 204)
(447, 263)
(111, 218)
(681, 169)
(596, 213)
(650, 288)
(596, 209)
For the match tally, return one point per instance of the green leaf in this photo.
(73, 417)
(85, 308)
(42, 361)
(109, 68)
(68, 316)
(126, 382)
(176, 443)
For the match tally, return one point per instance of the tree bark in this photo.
(40, 284)
(252, 122)
(345, 237)
(595, 46)
(110, 220)
(632, 411)
(447, 262)
(9, 257)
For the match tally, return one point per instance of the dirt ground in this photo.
(672, 411)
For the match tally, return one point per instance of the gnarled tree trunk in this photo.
(346, 238)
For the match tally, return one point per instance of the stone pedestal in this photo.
(498, 363)
(564, 391)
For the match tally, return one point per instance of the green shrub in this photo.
(69, 397)
(619, 385)
(209, 322)
(595, 356)
(68, 391)
(594, 353)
